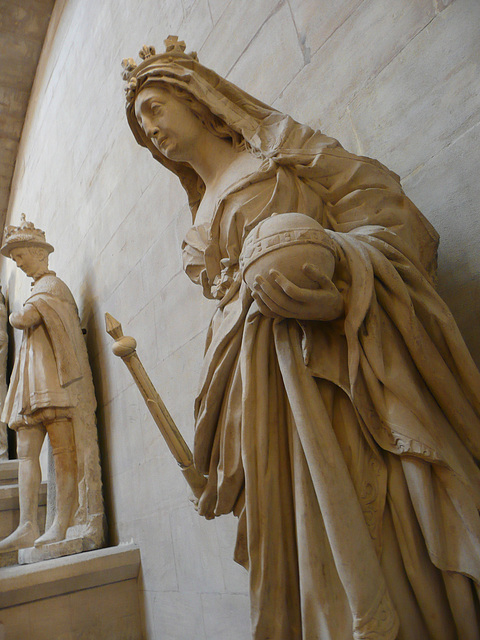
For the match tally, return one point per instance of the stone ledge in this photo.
(9, 496)
(8, 471)
(26, 583)
(68, 547)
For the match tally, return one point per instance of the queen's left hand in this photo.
(279, 297)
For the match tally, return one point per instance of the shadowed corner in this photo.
(89, 320)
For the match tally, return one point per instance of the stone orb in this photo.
(286, 242)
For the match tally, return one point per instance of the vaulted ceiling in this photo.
(23, 25)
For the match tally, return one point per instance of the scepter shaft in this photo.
(125, 348)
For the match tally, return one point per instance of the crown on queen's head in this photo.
(172, 45)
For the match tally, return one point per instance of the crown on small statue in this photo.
(25, 235)
(172, 46)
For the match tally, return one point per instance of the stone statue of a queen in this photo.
(339, 420)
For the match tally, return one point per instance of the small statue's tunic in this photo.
(46, 367)
(52, 380)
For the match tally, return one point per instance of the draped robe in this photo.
(346, 448)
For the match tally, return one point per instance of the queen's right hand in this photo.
(205, 505)
(279, 297)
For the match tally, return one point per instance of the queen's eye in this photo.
(156, 108)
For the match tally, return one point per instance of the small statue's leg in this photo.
(29, 444)
(62, 440)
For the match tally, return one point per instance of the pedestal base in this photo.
(87, 595)
(50, 551)
(7, 558)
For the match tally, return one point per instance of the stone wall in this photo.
(393, 80)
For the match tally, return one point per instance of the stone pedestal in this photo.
(8, 558)
(50, 551)
(89, 595)
(9, 508)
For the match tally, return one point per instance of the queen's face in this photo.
(169, 123)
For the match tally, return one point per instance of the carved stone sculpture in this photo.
(51, 392)
(339, 421)
(3, 374)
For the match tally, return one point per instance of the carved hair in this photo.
(210, 121)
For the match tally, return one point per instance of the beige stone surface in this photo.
(23, 24)
(8, 558)
(459, 260)
(316, 23)
(9, 496)
(217, 7)
(8, 471)
(219, 46)
(364, 54)
(50, 551)
(100, 613)
(10, 515)
(433, 68)
(82, 175)
(9, 506)
(280, 33)
(60, 576)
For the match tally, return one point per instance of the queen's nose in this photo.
(152, 132)
(150, 128)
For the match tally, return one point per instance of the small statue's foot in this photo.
(24, 536)
(54, 534)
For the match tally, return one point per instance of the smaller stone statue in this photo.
(3, 374)
(51, 392)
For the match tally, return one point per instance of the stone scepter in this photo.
(124, 347)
